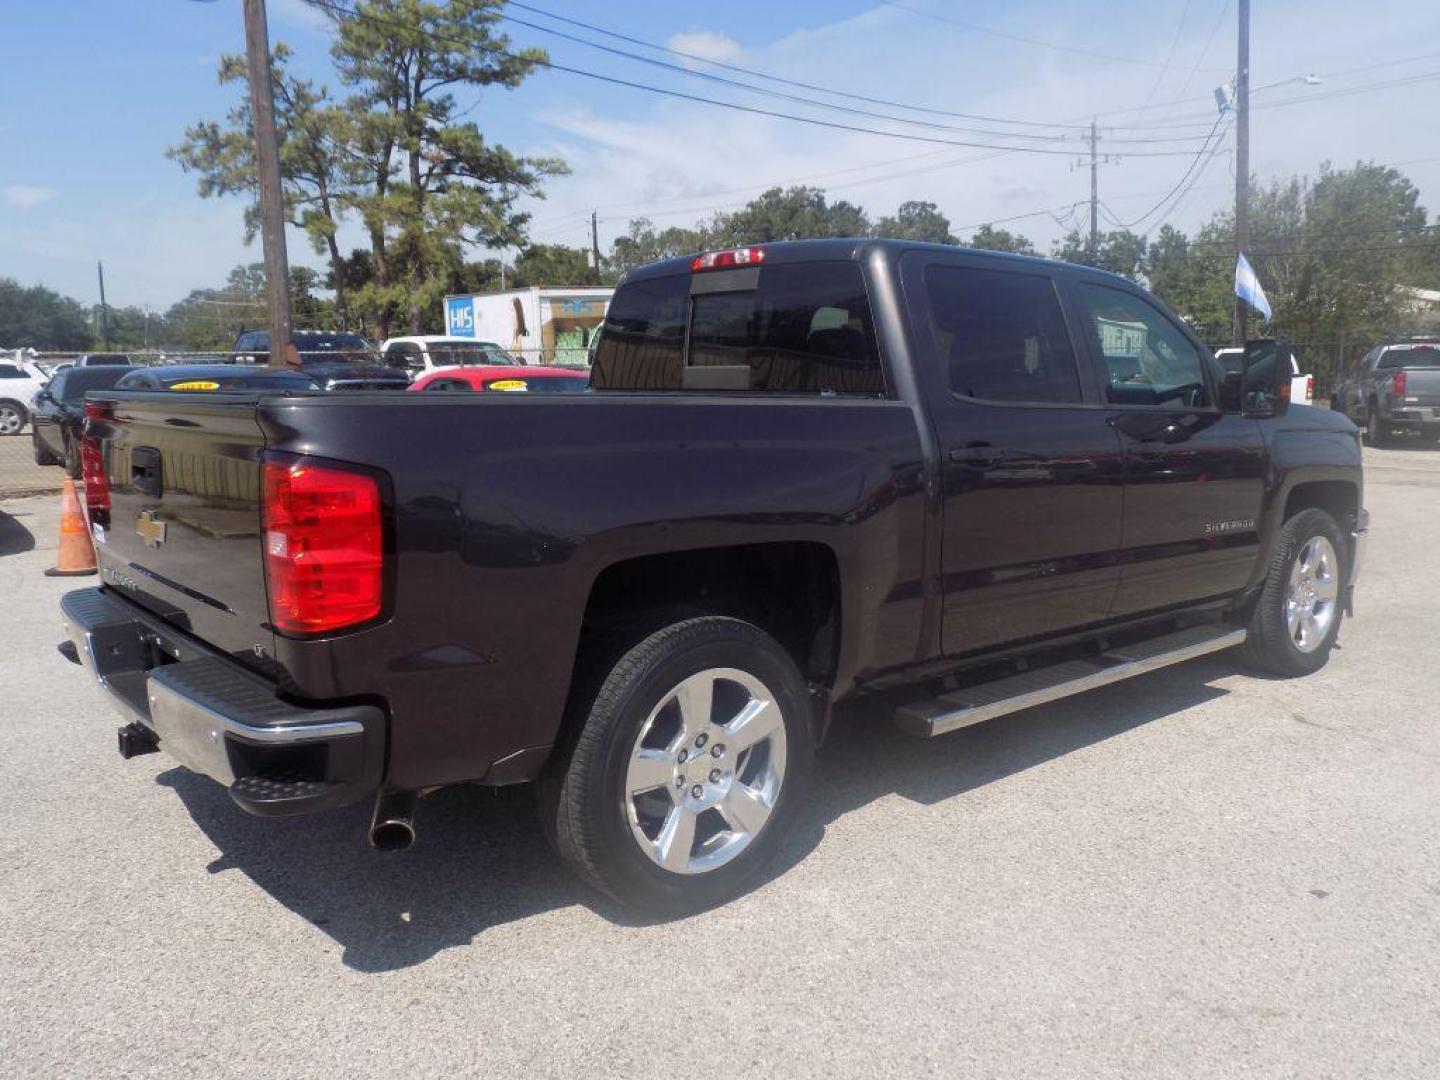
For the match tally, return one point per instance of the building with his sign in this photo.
(542, 325)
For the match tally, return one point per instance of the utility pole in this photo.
(1093, 248)
(595, 244)
(267, 169)
(104, 311)
(1242, 160)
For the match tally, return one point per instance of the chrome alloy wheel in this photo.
(1312, 594)
(705, 772)
(11, 419)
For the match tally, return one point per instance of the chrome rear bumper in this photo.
(219, 719)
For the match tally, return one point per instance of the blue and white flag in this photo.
(1247, 287)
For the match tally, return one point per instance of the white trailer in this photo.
(544, 325)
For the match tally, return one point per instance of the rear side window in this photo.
(643, 340)
(1002, 336)
(8, 372)
(802, 328)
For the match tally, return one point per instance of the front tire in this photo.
(1297, 617)
(12, 417)
(690, 764)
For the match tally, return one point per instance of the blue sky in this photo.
(93, 91)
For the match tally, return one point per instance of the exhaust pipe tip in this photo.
(392, 835)
(392, 827)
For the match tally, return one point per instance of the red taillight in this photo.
(92, 465)
(1309, 387)
(1397, 385)
(324, 551)
(723, 260)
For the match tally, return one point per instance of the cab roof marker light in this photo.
(727, 259)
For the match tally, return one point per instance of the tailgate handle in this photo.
(145, 471)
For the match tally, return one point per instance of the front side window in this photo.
(1002, 335)
(1148, 360)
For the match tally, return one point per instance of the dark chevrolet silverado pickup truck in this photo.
(965, 483)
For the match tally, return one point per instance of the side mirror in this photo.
(1265, 385)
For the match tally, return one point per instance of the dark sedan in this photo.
(206, 378)
(59, 412)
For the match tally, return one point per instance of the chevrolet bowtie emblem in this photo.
(150, 528)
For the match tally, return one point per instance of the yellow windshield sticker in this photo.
(196, 384)
(508, 384)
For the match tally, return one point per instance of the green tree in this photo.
(310, 129)
(210, 319)
(642, 243)
(989, 238)
(1120, 252)
(35, 317)
(423, 181)
(796, 213)
(920, 221)
(552, 264)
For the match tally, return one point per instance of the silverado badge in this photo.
(150, 528)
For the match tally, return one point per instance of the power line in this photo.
(786, 82)
(1169, 56)
(747, 87)
(338, 10)
(1200, 58)
(1093, 54)
(1181, 182)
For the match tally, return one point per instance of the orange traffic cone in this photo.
(77, 553)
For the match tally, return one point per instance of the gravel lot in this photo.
(1194, 874)
(19, 475)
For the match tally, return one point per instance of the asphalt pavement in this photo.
(1194, 874)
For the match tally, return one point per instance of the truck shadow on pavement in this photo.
(481, 859)
(14, 537)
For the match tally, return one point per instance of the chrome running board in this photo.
(972, 705)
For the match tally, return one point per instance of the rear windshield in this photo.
(455, 353)
(1411, 356)
(73, 383)
(798, 328)
(309, 341)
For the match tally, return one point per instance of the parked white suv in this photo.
(20, 381)
(419, 354)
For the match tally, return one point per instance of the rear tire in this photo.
(43, 456)
(1297, 617)
(73, 464)
(690, 764)
(1376, 433)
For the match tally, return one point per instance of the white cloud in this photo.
(27, 197)
(709, 45)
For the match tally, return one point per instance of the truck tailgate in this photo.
(183, 537)
(1422, 385)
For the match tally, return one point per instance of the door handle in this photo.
(977, 455)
